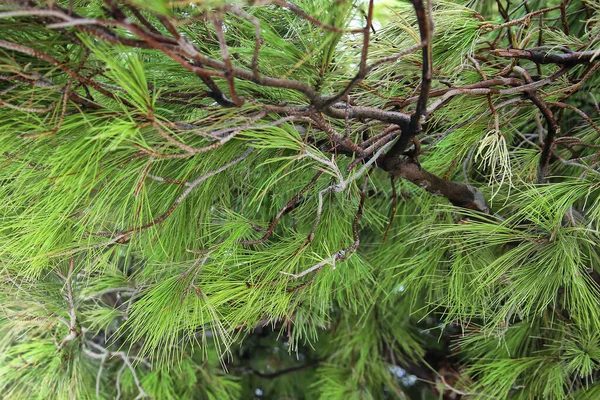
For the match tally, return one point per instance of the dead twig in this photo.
(190, 187)
(73, 333)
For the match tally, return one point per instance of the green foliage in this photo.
(133, 208)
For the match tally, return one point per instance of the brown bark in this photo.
(459, 194)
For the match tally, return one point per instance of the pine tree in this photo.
(345, 199)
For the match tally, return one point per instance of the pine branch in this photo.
(545, 57)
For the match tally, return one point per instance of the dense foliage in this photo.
(354, 199)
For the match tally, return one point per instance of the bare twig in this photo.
(485, 91)
(393, 211)
(73, 334)
(523, 20)
(289, 205)
(257, 37)
(340, 255)
(218, 25)
(544, 57)
(553, 128)
(362, 66)
(190, 187)
(223, 136)
(299, 12)
(337, 138)
(55, 62)
(112, 242)
(104, 355)
(339, 187)
(99, 374)
(578, 111)
(27, 109)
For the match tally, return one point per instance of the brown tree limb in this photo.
(414, 127)
(545, 57)
(459, 194)
(553, 128)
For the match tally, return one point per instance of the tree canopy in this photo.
(345, 199)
